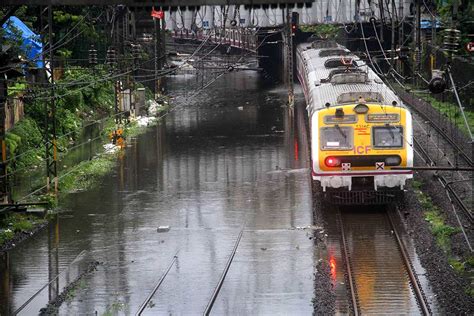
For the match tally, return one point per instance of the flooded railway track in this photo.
(216, 291)
(380, 275)
(157, 285)
(209, 306)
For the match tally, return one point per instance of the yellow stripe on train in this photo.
(376, 131)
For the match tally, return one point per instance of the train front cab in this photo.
(354, 148)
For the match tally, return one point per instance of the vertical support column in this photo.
(162, 51)
(134, 52)
(382, 20)
(4, 184)
(157, 49)
(417, 57)
(401, 33)
(392, 53)
(50, 107)
(289, 57)
(53, 258)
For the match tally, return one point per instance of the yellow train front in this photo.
(360, 130)
(355, 146)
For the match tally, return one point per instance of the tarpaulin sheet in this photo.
(31, 44)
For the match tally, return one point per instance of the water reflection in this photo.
(230, 156)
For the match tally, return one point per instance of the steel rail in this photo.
(209, 306)
(410, 99)
(447, 186)
(408, 266)
(28, 301)
(155, 288)
(348, 268)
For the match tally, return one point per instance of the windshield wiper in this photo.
(341, 131)
(390, 130)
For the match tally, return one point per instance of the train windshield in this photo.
(387, 136)
(336, 138)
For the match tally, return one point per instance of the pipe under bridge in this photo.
(266, 44)
(240, 38)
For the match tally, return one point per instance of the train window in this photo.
(337, 62)
(333, 52)
(336, 138)
(352, 97)
(333, 119)
(387, 136)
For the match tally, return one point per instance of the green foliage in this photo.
(323, 31)
(440, 230)
(15, 223)
(87, 174)
(416, 184)
(68, 17)
(115, 308)
(25, 139)
(73, 105)
(5, 235)
(51, 199)
(16, 89)
(451, 110)
(470, 261)
(457, 265)
(64, 53)
(464, 18)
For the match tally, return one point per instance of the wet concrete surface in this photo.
(224, 161)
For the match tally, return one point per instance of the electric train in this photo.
(359, 128)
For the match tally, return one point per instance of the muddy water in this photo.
(225, 161)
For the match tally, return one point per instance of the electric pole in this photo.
(289, 57)
(417, 67)
(50, 107)
(4, 186)
(392, 17)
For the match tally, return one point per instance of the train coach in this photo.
(359, 128)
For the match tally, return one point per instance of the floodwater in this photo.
(225, 162)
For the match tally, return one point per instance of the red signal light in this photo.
(293, 28)
(332, 162)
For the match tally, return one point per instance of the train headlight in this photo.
(332, 162)
(393, 160)
(361, 108)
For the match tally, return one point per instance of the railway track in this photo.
(216, 291)
(440, 143)
(380, 280)
(157, 285)
(218, 287)
(460, 143)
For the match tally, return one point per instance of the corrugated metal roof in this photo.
(322, 93)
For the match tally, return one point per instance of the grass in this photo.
(73, 291)
(451, 110)
(114, 308)
(87, 174)
(15, 223)
(442, 232)
(438, 227)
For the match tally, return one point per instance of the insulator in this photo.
(92, 56)
(417, 56)
(451, 41)
(136, 50)
(111, 57)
